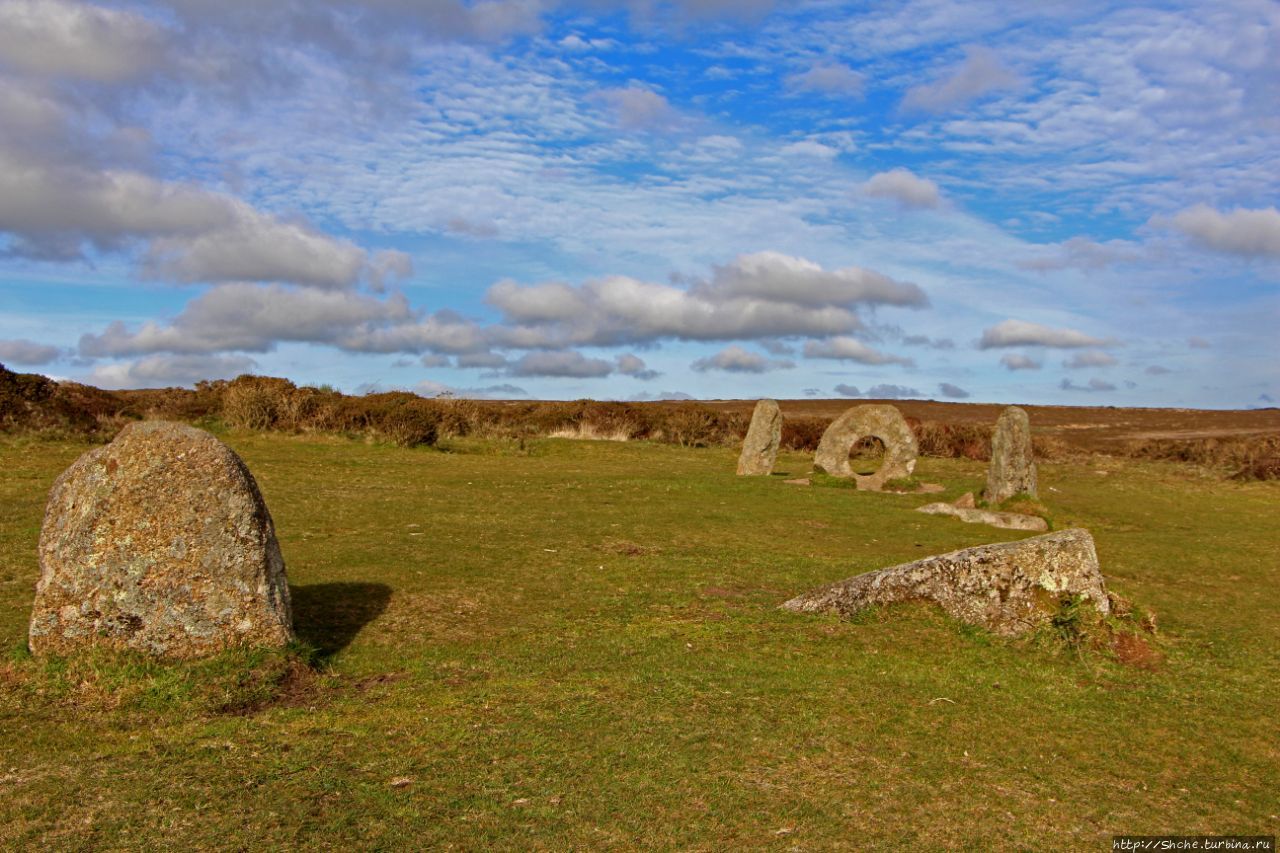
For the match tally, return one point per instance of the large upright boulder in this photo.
(1013, 465)
(159, 542)
(1009, 588)
(760, 447)
(879, 421)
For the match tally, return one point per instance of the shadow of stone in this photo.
(328, 616)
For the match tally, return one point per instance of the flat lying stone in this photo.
(1009, 588)
(1007, 520)
(760, 447)
(159, 543)
(799, 481)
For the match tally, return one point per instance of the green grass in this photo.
(576, 645)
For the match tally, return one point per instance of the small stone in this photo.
(160, 543)
(1009, 588)
(879, 421)
(1006, 520)
(966, 501)
(1013, 466)
(760, 447)
(799, 481)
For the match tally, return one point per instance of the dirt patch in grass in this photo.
(626, 548)
(1133, 650)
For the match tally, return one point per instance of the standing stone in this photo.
(1013, 465)
(883, 422)
(1009, 588)
(760, 448)
(159, 543)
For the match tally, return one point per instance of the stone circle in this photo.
(760, 447)
(160, 543)
(879, 421)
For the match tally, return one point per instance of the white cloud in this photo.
(59, 38)
(22, 351)
(761, 295)
(252, 318)
(1080, 253)
(1090, 358)
(981, 73)
(636, 108)
(905, 187)
(563, 363)
(1017, 333)
(162, 371)
(630, 364)
(851, 349)
(878, 392)
(1094, 384)
(1018, 361)
(1239, 232)
(828, 78)
(735, 359)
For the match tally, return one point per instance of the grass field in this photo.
(576, 645)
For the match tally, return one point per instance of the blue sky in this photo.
(1069, 203)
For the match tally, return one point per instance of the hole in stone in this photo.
(867, 455)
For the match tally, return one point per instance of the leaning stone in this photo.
(160, 543)
(1013, 466)
(1008, 588)
(760, 448)
(1007, 520)
(883, 422)
(966, 501)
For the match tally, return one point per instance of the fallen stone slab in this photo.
(1009, 588)
(160, 543)
(1007, 520)
(760, 447)
(799, 481)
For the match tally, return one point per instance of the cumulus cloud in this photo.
(1090, 358)
(22, 351)
(432, 360)
(163, 371)
(486, 359)
(563, 363)
(629, 364)
(763, 295)
(192, 234)
(1018, 333)
(635, 108)
(1080, 253)
(904, 187)
(1018, 361)
(738, 360)
(1242, 231)
(827, 78)
(953, 392)
(78, 41)
(851, 349)
(878, 392)
(251, 318)
(979, 74)
(1094, 384)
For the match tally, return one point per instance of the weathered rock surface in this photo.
(883, 422)
(1009, 588)
(159, 542)
(966, 501)
(1007, 520)
(1013, 466)
(760, 448)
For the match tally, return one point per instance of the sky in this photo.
(1049, 203)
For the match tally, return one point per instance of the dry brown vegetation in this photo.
(1243, 444)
